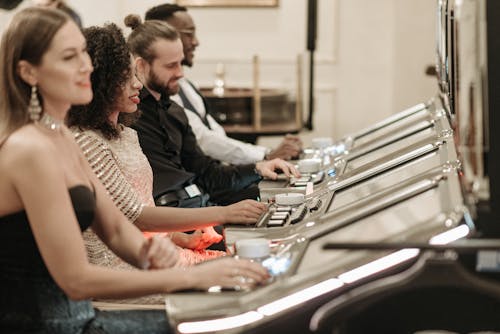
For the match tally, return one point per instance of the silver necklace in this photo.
(50, 122)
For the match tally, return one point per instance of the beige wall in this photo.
(370, 59)
(415, 49)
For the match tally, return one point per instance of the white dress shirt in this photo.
(214, 142)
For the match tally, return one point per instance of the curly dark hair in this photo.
(111, 60)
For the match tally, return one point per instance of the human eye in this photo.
(190, 33)
(172, 66)
(69, 56)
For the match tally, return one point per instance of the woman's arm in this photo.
(125, 239)
(114, 229)
(41, 182)
(105, 166)
(156, 219)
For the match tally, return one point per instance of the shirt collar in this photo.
(146, 95)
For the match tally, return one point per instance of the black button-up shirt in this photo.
(171, 148)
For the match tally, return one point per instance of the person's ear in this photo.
(27, 72)
(141, 68)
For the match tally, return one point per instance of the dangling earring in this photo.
(34, 109)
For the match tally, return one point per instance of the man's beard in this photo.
(154, 83)
(187, 63)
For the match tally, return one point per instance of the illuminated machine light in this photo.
(451, 235)
(402, 255)
(219, 324)
(378, 265)
(300, 297)
(318, 289)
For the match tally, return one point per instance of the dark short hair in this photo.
(163, 12)
(111, 60)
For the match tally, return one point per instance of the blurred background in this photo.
(370, 57)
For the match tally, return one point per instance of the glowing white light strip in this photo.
(451, 235)
(300, 297)
(318, 289)
(402, 255)
(378, 265)
(219, 324)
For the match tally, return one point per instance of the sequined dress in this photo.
(31, 302)
(126, 174)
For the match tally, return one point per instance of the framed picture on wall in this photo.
(228, 3)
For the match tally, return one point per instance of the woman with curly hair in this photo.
(113, 151)
(50, 195)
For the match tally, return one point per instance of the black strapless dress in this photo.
(30, 300)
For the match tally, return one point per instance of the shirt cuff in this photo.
(266, 153)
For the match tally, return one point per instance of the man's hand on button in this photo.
(268, 168)
(289, 148)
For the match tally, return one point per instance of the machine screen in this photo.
(392, 177)
(389, 128)
(398, 223)
(387, 149)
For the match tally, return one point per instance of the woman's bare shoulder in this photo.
(27, 145)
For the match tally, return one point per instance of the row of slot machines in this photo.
(397, 181)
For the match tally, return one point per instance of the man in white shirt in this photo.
(210, 135)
